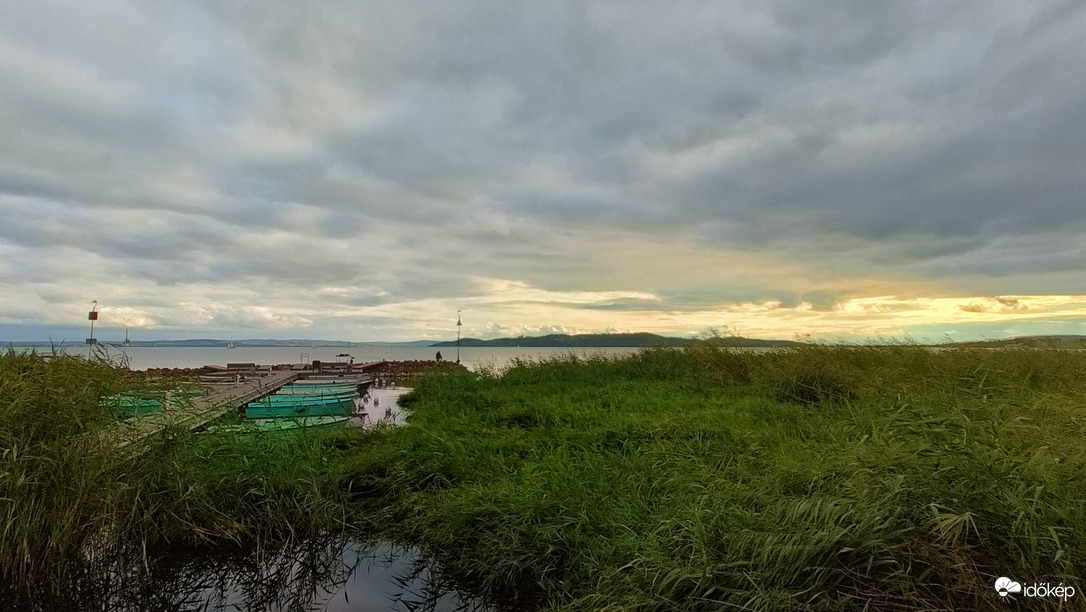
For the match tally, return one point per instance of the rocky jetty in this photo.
(400, 373)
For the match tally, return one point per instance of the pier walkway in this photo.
(212, 406)
(229, 389)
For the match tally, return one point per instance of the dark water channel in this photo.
(333, 574)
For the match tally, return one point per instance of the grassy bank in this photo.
(813, 478)
(72, 503)
(692, 479)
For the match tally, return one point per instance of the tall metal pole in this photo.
(459, 324)
(93, 316)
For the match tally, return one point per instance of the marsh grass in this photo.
(56, 482)
(69, 497)
(812, 478)
(825, 478)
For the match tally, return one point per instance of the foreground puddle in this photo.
(317, 574)
(351, 576)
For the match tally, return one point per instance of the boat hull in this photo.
(297, 403)
(313, 422)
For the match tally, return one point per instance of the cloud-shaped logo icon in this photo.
(1005, 586)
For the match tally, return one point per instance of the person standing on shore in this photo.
(360, 408)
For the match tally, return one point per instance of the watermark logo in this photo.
(1005, 586)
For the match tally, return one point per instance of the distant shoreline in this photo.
(632, 340)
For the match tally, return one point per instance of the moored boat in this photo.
(136, 403)
(311, 422)
(281, 425)
(295, 402)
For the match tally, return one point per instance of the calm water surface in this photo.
(141, 358)
(341, 576)
(318, 573)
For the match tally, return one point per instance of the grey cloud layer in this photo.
(406, 148)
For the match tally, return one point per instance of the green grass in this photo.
(815, 478)
(69, 496)
(811, 478)
(56, 486)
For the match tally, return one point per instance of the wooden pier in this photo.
(237, 384)
(236, 388)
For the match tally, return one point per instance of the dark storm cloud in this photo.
(383, 151)
(982, 153)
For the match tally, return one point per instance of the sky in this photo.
(363, 170)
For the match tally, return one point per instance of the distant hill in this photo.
(1055, 341)
(250, 342)
(636, 340)
(213, 343)
(579, 340)
(606, 340)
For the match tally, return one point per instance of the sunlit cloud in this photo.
(365, 170)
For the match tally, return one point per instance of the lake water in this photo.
(141, 358)
(328, 573)
(321, 575)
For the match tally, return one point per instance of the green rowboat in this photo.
(333, 400)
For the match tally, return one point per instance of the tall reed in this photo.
(811, 478)
(69, 496)
(891, 477)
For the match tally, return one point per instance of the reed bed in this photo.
(72, 502)
(702, 478)
(813, 478)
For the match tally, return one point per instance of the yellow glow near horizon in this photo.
(519, 309)
(508, 307)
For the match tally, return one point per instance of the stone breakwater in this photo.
(400, 373)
